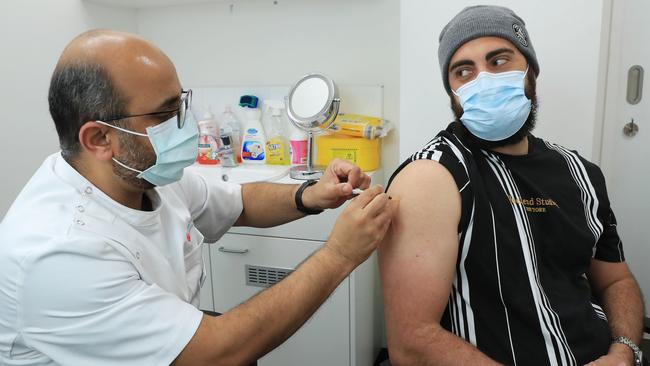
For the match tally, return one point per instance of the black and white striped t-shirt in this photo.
(529, 227)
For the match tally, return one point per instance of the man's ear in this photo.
(95, 139)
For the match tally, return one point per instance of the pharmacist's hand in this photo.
(362, 225)
(335, 187)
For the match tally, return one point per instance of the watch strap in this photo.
(298, 198)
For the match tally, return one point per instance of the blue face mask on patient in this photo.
(495, 106)
(175, 148)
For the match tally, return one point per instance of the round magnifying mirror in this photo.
(310, 97)
(312, 106)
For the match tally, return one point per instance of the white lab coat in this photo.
(85, 280)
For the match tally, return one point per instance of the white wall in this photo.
(388, 42)
(262, 43)
(567, 38)
(34, 32)
(259, 43)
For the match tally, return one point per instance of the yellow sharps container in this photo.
(362, 152)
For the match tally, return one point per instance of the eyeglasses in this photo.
(181, 111)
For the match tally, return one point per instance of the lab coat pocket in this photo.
(193, 252)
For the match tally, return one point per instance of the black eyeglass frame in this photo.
(184, 105)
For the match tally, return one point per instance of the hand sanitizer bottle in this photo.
(226, 153)
(228, 119)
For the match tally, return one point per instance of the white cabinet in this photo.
(231, 255)
(327, 330)
(347, 328)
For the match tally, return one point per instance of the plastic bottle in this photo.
(208, 139)
(228, 119)
(277, 146)
(298, 143)
(254, 139)
(226, 153)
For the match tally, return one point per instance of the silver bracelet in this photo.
(638, 355)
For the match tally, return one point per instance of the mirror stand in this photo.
(309, 171)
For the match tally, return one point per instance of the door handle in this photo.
(233, 251)
(634, 84)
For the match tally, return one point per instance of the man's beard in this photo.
(134, 156)
(465, 135)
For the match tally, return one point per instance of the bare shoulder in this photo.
(425, 187)
(420, 173)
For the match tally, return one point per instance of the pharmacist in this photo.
(100, 254)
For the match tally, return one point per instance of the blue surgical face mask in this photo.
(175, 148)
(495, 106)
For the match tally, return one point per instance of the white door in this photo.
(626, 159)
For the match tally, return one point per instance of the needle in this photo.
(358, 191)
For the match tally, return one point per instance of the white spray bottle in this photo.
(254, 139)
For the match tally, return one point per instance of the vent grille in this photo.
(265, 276)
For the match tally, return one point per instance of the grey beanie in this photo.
(483, 21)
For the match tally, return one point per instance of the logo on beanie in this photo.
(521, 34)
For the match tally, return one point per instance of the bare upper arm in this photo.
(418, 255)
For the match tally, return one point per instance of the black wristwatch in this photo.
(299, 205)
(638, 355)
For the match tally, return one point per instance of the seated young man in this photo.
(504, 248)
